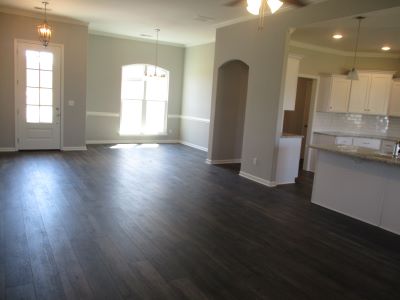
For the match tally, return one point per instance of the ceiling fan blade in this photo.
(235, 3)
(300, 3)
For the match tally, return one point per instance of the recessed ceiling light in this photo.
(386, 48)
(337, 36)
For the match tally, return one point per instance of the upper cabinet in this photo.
(334, 91)
(394, 103)
(292, 75)
(370, 94)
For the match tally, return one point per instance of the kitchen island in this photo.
(360, 183)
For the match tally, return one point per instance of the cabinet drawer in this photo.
(367, 143)
(387, 147)
(344, 140)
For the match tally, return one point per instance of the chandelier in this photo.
(155, 74)
(44, 29)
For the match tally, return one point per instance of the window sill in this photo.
(142, 135)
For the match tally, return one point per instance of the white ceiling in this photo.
(378, 29)
(185, 22)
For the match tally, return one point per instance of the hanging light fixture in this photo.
(353, 74)
(155, 74)
(44, 29)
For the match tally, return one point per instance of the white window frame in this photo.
(144, 103)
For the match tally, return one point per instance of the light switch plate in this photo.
(71, 103)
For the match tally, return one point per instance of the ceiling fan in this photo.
(259, 7)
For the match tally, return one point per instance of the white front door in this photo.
(38, 97)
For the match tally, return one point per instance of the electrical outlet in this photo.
(255, 160)
(71, 103)
(170, 131)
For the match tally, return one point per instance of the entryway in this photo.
(38, 96)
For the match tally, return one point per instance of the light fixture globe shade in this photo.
(274, 5)
(254, 6)
(44, 32)
(353, 74)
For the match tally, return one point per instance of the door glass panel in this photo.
(32, 114)
(46, 79)
(32, 96)
(32, 78)
(32, 59)
(39, 83)
(46, 114)
(46, 97)
(46, 61)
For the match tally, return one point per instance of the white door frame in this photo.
(311, 118)
(36, 43)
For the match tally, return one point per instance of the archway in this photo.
(230, 108)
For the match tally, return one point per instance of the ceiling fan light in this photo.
(274, 5)
(254, 6)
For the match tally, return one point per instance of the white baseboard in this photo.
(258, 179)
(100, 142)
(82, 148)
(194, 146)
(223, 161)
(8, 149)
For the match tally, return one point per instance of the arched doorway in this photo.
(230, 108)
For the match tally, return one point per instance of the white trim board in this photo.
(223, 161)
(102, 114)
(81, 148)
(106, 142)
(6, 149)
(258, 179)
(194, 146)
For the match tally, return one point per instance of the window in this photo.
(39, 87)
(144, 100)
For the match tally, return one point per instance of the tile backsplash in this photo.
(357, 123)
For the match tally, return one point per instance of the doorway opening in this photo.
(230, 109)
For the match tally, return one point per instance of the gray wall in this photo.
(266, 54)
(197, 91)
(106, 56)
(74, 39)
(230, 111)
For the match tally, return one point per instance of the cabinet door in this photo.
(394, 108)
(359, 94)
(379, 94)
(290, 92)
(340, 94)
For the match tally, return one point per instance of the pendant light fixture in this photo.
(353, 74)
(155, 74)
(44, 29)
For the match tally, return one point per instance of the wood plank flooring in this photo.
(159, 223)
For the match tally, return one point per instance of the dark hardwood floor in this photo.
(159, 223)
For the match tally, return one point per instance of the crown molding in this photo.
(32, 14)
(132, 38)
(341, 52)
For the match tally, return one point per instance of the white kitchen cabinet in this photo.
(334, 93)
(387, 147)
(292, 76)
(359, 93)
(370, 94)
(374, 144)
(344, 140)
(394, 102)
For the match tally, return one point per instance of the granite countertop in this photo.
(359, 152)
(291, 135)
(361, 135)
